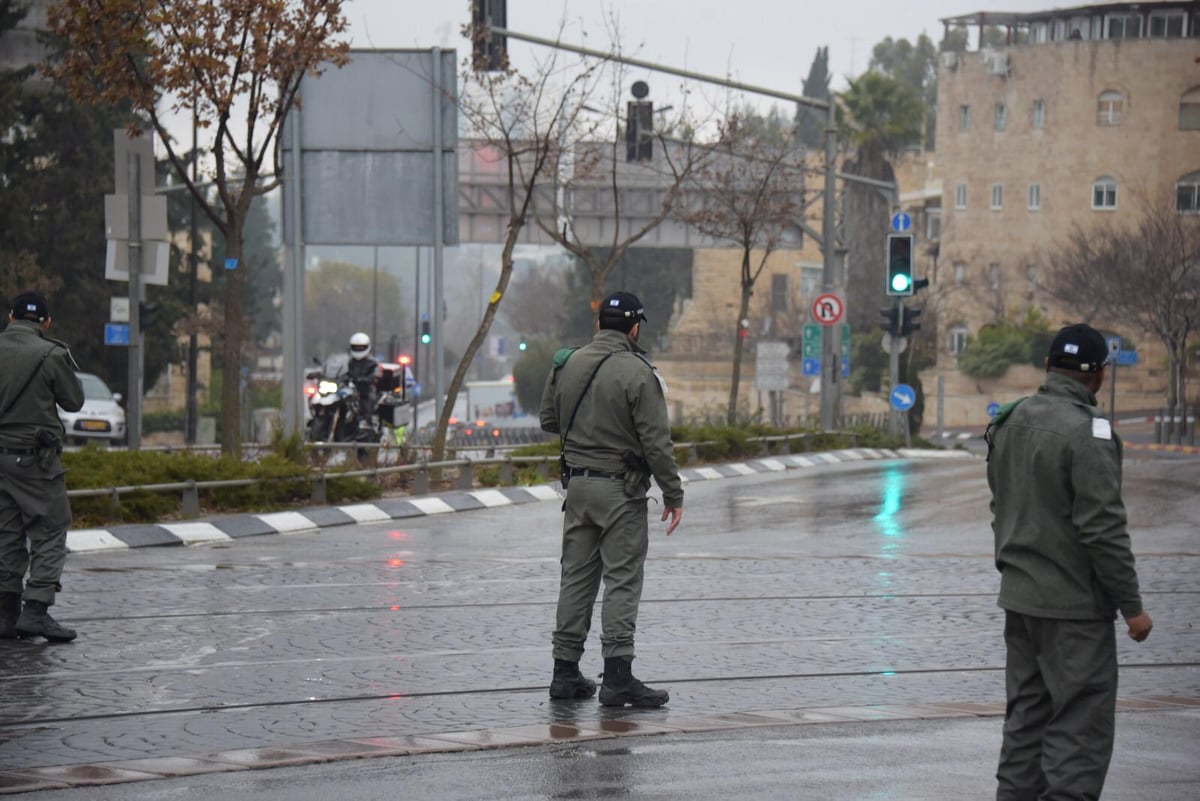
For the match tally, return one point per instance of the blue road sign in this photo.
(1126, 358)
(901, 222)
(992, 408)
(845, 367)
(810, 367)
(116, 334)
(903, 397)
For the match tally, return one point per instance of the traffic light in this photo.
(523, 346)
(147, 315)
(639, 125)
(895, 320)
(489, 51)
(900, 265)
(909, 323)
(426, 337)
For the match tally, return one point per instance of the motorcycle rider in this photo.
(363, 371)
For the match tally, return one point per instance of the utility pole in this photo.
(137, 350)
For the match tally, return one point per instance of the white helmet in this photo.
(360, 345)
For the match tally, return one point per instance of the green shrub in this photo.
(156, 422)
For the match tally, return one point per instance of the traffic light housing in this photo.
(426, 337)
(895, 320)
(909, 324)
(900, 265)
(489, 51)
(147, 315)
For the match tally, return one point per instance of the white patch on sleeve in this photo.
(661, 382)
(1101, 428)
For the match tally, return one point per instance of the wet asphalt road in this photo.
(840, 585)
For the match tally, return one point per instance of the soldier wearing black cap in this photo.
(1066, 569)
(607, 404)
(38, 373)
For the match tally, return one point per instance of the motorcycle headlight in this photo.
(327, 387)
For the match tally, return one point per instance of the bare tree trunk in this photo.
(739, 343)
(485, 325)
(232, 345)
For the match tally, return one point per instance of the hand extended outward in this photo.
(675, 513)
(1139, 626)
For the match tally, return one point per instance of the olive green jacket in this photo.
(22, 348)
(624, 410)
(1062, 546)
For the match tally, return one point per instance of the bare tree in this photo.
(1147, 273)
(523, 121)
(537, 301)
(238, 65)
(751, 195)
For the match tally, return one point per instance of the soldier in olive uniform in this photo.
(38, 373)
(606, 402)
(1066, 570)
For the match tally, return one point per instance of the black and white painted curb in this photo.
(309, 519)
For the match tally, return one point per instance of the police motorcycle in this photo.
(333, 403)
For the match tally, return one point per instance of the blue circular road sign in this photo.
(903, 397)
(901, 222)
(992, 408)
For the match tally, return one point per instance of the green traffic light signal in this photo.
(899, 264)
(426, 337)
(523, 346)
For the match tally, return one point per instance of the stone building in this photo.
(1086, 114)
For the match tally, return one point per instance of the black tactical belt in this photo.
(17, 451)
(587, 471)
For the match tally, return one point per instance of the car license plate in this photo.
(93, 425)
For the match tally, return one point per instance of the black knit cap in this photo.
(30, 306)
(1079, 347)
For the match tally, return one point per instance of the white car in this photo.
(101, 417)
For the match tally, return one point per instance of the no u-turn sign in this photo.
(827, 308)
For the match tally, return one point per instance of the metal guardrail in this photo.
(781, 444)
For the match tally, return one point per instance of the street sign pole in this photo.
(136, 350)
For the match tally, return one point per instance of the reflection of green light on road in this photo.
(890, 502)
(888, 673)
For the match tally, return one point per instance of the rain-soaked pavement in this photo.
(859, 590)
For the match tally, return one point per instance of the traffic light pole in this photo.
(894, 368)
(831, 363)
(133, 405)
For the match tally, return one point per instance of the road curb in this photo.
(232, 527)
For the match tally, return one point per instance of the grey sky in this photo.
(765, 42)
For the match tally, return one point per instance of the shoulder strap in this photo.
(586, 386)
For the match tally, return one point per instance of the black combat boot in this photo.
(621, 688)
(35, 621)
(10, 610)
(569, 683)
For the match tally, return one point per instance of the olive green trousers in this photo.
(34, 517)
(605, 536)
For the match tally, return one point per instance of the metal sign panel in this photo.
(367, 143)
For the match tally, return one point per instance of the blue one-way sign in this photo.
(901, 222)
(903, 397)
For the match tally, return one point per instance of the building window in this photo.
(1104, 193)
(993, 275)
(1187, 194)
(960, 273)
(1122, 26)
(1167, 24)
(1035, 197)
(779, 292)
(960, 196)
(1189, 110)
(964, 117)
(1110, 107)
(1001, 116)
(811, 278)
(956, 339)
(997, 196)
(1031, 278)
(933, 224)
(1039, 114)
(1037, 33)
